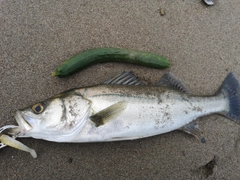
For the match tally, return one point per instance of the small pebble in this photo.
(161, 12)
(203, 140)
(209, 2)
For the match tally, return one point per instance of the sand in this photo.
(201, 42)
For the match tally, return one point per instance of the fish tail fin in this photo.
(231, 90)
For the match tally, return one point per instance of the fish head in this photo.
(57, 119)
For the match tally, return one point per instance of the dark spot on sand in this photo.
(70, 160)
(203, 140)
(207, 170)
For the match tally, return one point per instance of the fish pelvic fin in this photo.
(231, 89)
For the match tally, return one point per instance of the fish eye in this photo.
(38, 108)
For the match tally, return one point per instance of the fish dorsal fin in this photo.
(125, 78)
(170, 81)
(109, 113)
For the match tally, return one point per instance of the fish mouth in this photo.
(23, 124)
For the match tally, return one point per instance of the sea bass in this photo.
(123, 108)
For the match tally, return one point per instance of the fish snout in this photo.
(22, 122)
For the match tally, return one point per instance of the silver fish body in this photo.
(124, 112)
(154, 111)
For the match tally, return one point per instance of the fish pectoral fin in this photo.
(109, 113)
(125, 78)
(193, 129)
(170, 81)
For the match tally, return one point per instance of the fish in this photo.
(124, 108)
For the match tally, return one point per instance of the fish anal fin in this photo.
(170, 81)
(125, 78)
(105, 115)
(193, 130)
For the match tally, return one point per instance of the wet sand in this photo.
(201, 42)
